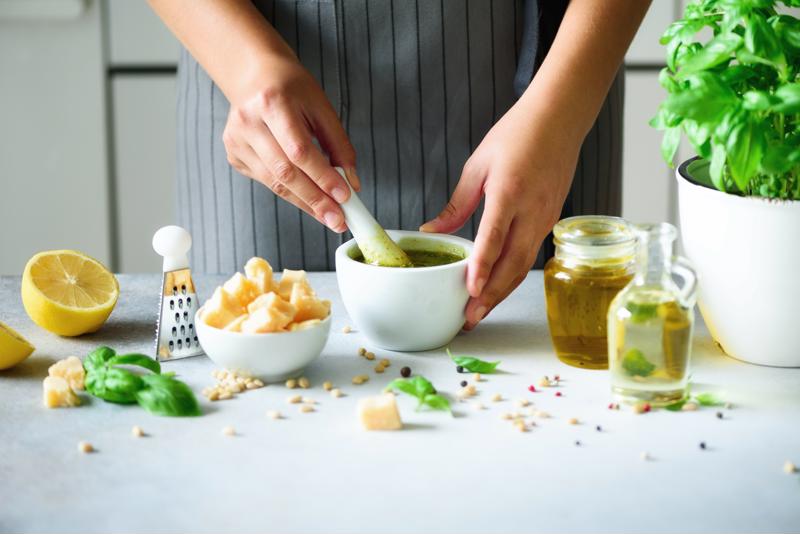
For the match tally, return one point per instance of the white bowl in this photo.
(270, 357)
(412, 309)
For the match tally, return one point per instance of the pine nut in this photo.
(258, 382)
(306, 408)
(507, 416)
(225, 395)
(386, 363)
(572, 421)
(471, 390)
(379, 368)
(362, 351)
(85, 447)
(369, 355)
(137, 432)
(689, 407)
(497, 397)
(327, 385)
(304, 383)
(228, 431)
(291, 383)
(346, 329)
(336, 392)
(214, 395)
(523, 402)
(294, 399)
(274, 414)
(478, 406)
(544, 382)
(644, 455)
(542, 415)
(360, 379)
(476, 377)
(309, 400)
(789, 467)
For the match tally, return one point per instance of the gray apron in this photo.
(417, 84)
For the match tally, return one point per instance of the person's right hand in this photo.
(269, 137)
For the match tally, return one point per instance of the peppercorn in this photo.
(459, 369)
(405, 372)
(558, 393)
(577, 443)
(719, 415)
(598, 428)
(463, 383)
(703, 445)
(532, 389)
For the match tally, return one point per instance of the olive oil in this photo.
(577, 308)
(649, 347)
(593, 262)
(650, 323)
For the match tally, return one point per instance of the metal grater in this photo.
(175, 333)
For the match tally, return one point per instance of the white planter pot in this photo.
(747, 254)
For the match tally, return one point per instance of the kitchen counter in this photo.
(320, 472)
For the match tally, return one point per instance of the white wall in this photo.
(53, 174)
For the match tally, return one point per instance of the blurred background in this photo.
(87, 129)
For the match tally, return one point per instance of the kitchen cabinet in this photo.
(136, 36)
(144, 165)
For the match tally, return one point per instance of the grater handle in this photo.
(173, 243)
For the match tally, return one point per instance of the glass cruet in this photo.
(650, 322)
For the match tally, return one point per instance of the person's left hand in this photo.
(524, 166)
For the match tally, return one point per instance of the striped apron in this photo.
(417, 84)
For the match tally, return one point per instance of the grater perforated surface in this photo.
(175, 332)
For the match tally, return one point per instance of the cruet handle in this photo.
(683, 269)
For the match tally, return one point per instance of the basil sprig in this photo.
(420, 388)
(158, 394)
(472, 364)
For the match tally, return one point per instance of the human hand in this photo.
(269, 137)
(524, 168)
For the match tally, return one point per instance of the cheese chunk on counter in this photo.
(379, 413)
(58, 394)
(71, 370)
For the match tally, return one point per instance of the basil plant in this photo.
(736, 96)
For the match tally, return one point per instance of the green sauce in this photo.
(427, 258)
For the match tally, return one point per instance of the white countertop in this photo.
(320, 472)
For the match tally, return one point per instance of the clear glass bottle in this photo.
(594, 260)
(650, 322)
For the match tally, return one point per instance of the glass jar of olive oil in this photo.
(594, 260)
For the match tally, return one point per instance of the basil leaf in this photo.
(403, 385)
(789, 96)
(707, 399)
(97, 358)
(707, 100)
(760, 39)
(641, 312)
(436, 402)
(166, 396)
(474, 365)
(675, 406)
(113, 385)
(715, 169)
(716, 52)
(669, 144)
(635, 363)
(745, 148)
(136, 359)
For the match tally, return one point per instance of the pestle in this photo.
(375, 244)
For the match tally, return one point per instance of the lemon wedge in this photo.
(13, 347)
(68, 293)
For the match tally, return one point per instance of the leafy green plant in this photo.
(636, 364)
(157, 393)
(736, 96)
(420, 388)
(472, 364)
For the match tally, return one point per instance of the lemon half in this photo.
(13, 347)
(68, 293)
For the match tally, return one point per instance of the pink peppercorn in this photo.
(557, 378)
(646, 407)
(558, 393)
(610, 405)
(532, 389)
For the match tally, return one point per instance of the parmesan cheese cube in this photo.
(259, 271)
(71, 370)
(379, 413)
(242, 289)
(221, 309)
(307, 305)
(57, 393)
(289, 279)
(268, 313)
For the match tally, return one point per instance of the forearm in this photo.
(229, 38)
(573, 81)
